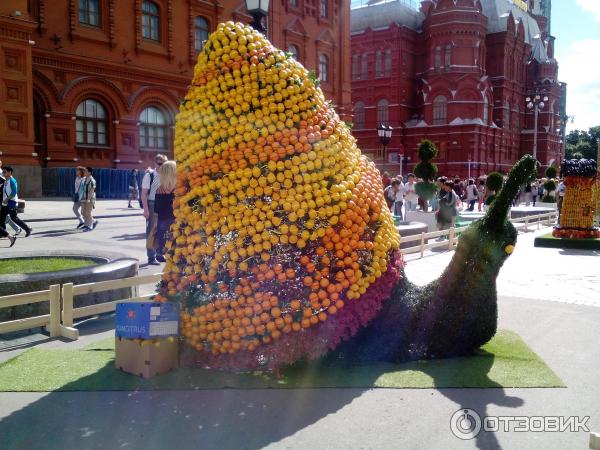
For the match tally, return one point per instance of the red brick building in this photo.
(98, 82)
(457, 72)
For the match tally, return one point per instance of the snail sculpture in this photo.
(283, 248)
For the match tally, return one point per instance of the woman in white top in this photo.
(472, 194)
(79, 176)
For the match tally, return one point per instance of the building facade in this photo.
(457, 72)
(98, 82)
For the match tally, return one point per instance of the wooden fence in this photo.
(51, 320)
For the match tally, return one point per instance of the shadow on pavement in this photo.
(208, 419)
(479, 399)
(130, 237)
(55, 233)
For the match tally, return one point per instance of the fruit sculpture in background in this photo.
(578, 206)
(283, 247)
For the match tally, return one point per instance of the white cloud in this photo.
(590, 6)
(579, 66)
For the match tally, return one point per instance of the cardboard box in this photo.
(146, 358)
(146, 320)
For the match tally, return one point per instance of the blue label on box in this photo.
(146, 320)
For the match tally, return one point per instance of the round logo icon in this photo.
(465, 424)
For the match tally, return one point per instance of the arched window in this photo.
(486, 110)
(383, 113)
(388, 63)
(91, 123)
(201, 30)
(89, 12)
(506, 114)
(364, 65)
(294, 51)
(448, 55)
(355, 71)
(323, 68)
(150, 21)
(153, 129)
(438, 58)
(518, 118)
(359, 115)
(440, 110)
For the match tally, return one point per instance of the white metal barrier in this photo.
(520, 223)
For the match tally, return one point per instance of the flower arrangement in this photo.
(281, 228)
(578, 206)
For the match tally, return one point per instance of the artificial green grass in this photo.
(35, 265)
(549, 241)
(506, 361)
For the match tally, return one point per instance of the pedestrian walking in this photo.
(87, 198)
(534, 191)
(163, 205)
(385, 179)
(446, 215)
(10, 203)
(560, 195)
(396, 194)
(17, 229)
(134, 189)
(79, 177)
(410, 193)
(480, 193)
(472, 194)
(150, 184)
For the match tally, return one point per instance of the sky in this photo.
(576, 25)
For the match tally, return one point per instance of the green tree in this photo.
(582, 144)
(426, 170)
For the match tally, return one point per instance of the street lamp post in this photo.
(258, 9)
(536, 103)
(469, 169)
(385, 136)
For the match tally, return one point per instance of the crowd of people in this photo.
(155, 197)
(453, 195)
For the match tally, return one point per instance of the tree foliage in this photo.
(494, 181)
(551, 172)
(582, 144)
(427, 150)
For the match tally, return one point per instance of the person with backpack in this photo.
(10, 202)
(9, 221)
(150, 184)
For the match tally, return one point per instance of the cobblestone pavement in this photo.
(568, 276)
